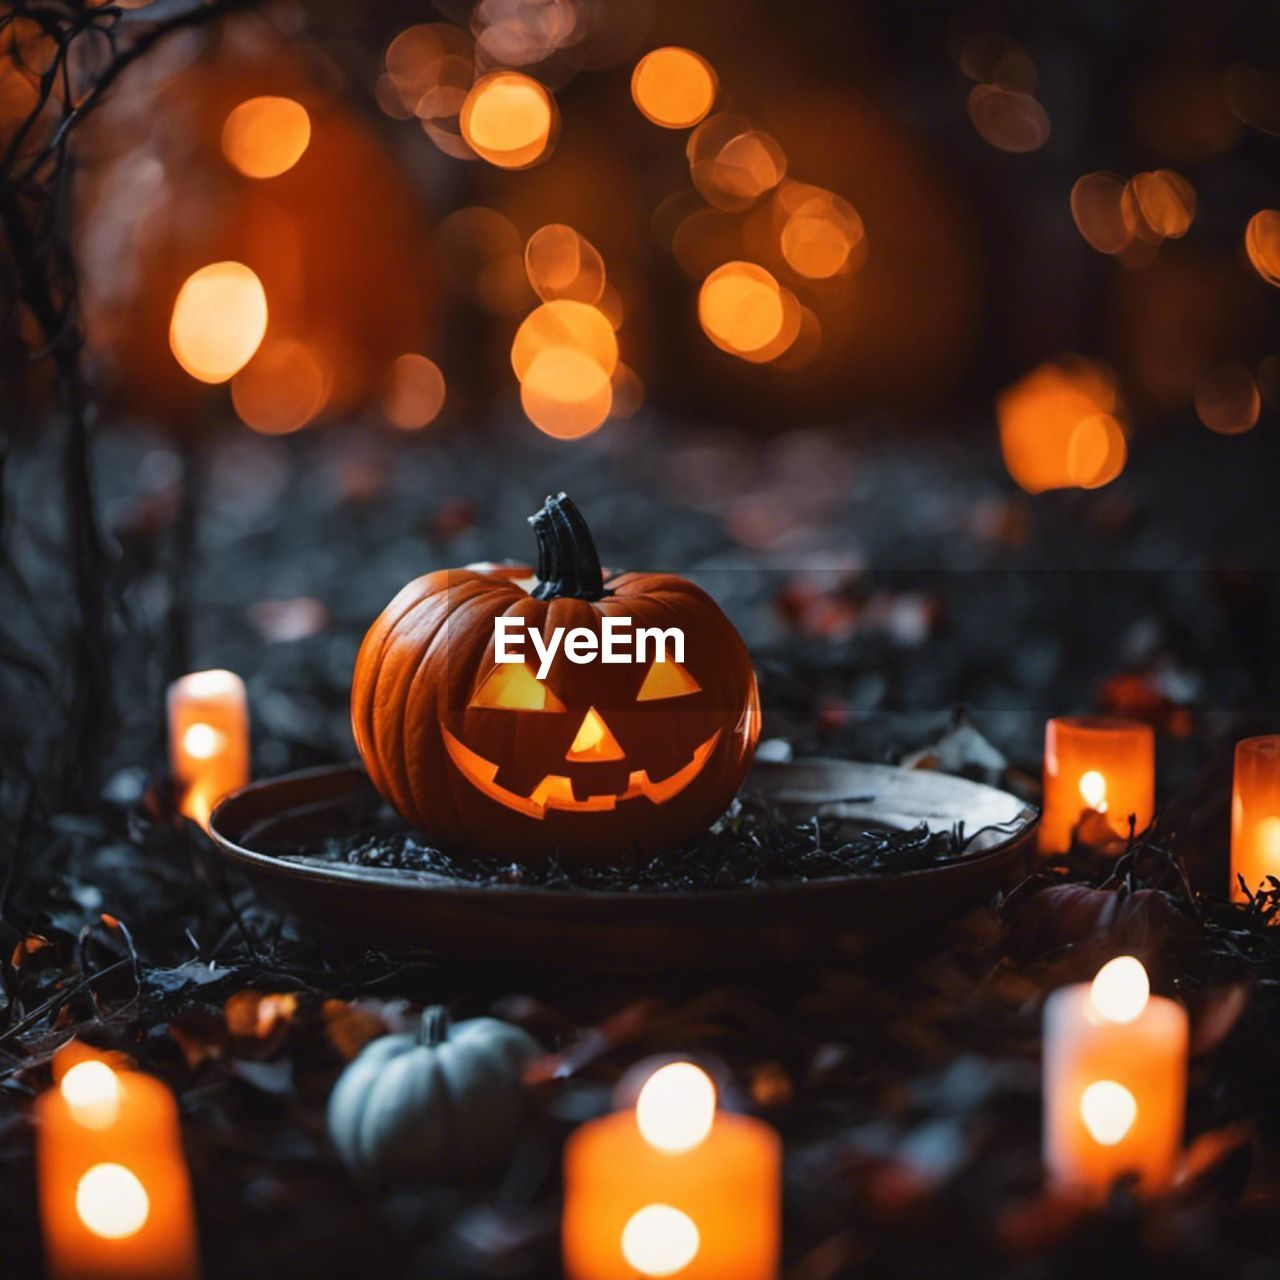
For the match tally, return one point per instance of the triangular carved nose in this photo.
(594, 741)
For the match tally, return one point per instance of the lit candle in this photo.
(1115, 1082)
(673, 1188)
(208, 739)
(1100, 766)
(1255, 814)
(115, 1198)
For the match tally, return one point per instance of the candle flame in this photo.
(1121, 989)
(1093, 791)
(1109, 1111)
(111, 1202)
(215, 683)
(92, 1091)
(676, 1108)
(202, 741)
(659, 1240)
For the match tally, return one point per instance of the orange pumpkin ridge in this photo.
(488, 759)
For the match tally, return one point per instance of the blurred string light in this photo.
(282, 388)
(1002, 105)
(1158, 206)
(1262, 244)
(1131, 219)
(1007, 118)
(414, 392)
(518, 33)
(482, 257)
(436, 73)
(219, 319)
(1253, 98)
(265, 137)
(746, 218)
(1227, 400)
(673, 87)
(732, 164)
(820, 231)
(1061, 426)
(430, 69)
(565, 352)
(562, 264)
(509, 119)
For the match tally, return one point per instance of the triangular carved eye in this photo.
(667, 680)
(511, 686)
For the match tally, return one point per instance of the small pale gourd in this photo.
(444, 1103)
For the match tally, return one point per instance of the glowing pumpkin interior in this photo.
(514, 688)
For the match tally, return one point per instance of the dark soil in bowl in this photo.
(752, 845)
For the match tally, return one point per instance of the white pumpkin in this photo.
(445, 1103)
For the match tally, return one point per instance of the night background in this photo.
(938, 343)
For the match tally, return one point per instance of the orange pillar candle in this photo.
(673, 1188)
(115, 1197)
(1255, 814)
(1115, 1082)
(208, 739)
(1096, 764)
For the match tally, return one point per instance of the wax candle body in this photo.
(208, 739)
(115, 1196)
(1255, 814)
(1093, 1132)
(727, 1187)
(1096, 763)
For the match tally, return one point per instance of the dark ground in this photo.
(881, 585)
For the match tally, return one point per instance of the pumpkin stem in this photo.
(434, 1029)
(567, 561)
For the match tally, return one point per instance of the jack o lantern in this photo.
(596, 760)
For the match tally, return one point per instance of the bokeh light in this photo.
(265, 137)
(740, 307)
(732, 164)
(516, 33)
(482, 256)
(111, 1202)
(92, 1091)
(1095, 206)
(1008, 119)
(430, 69)
(820, 233)
(281, 389)
(1120, 989)
(560, 263)
(219, 319)
(1254, 98)
(673, 87)
(508, 119)
(1060, 427)
(1109, 1111)
(415, 391)
(1262, 244)
(1159, 205)
(676, 1107)
(565, 324)
(565, 393)
(1228, 401)
(659, 1240)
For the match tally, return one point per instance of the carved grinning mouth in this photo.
(555, 791)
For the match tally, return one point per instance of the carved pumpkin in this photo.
(444, 1103)
(596, 761)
